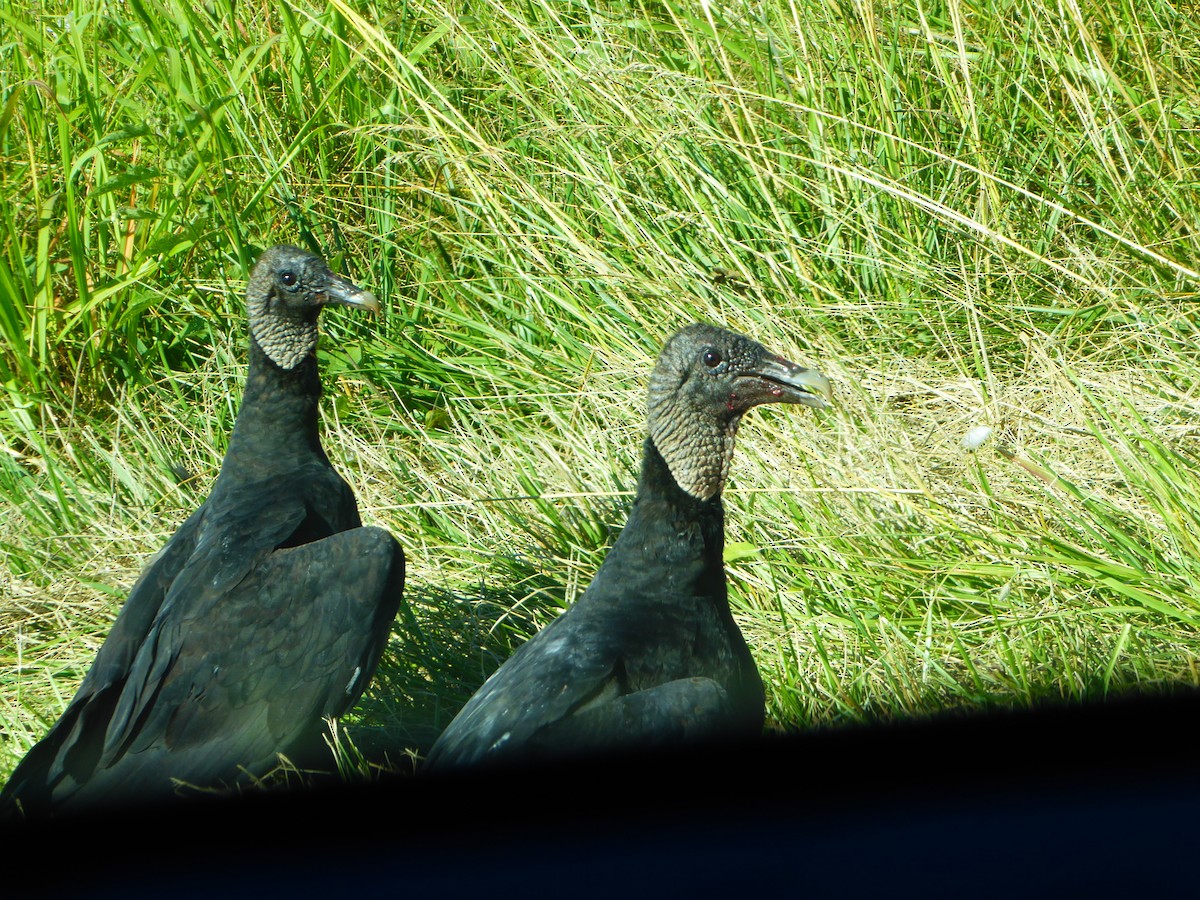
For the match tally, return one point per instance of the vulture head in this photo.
(705, 380)
(287, 288)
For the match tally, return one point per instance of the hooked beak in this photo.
(780, 381)
(346, 293)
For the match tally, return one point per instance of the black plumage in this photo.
(265, 612)
(650, 653)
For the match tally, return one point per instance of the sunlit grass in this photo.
(966, 214)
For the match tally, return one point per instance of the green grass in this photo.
(965, 213)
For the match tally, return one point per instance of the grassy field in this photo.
(965, 213)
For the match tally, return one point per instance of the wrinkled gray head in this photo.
(287, 288)
(705, 380)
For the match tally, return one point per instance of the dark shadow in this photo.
(1088, 800)
(443, 647)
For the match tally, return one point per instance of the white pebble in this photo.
(976, 436)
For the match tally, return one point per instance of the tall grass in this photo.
(966, 213)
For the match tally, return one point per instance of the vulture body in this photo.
(649, 655)
(265, 612)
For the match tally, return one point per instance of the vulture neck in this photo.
(278, 421)
(669, 530)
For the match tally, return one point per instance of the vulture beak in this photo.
(780, 381)
(345, 293)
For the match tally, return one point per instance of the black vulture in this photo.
(265, 612)
(650, 654)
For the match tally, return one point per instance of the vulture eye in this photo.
(712, 358)
(288, 278)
